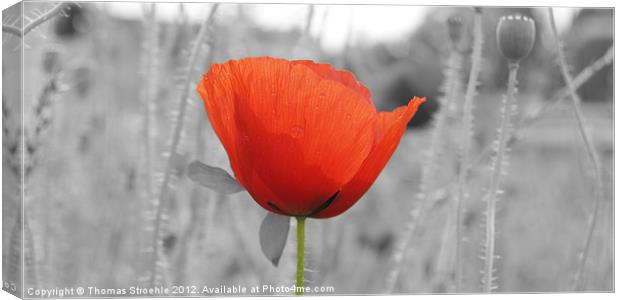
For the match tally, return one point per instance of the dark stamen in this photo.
(275, 207)
(325, 204)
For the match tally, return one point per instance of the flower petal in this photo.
(346, 78)
(216, 91)
(293, 137)
(390, 127)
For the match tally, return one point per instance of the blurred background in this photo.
(102, 83)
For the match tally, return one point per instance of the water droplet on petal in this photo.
(297, 132)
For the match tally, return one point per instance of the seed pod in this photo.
(515, 36)
(455, 29)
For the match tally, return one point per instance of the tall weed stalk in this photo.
(158, 263)
(465, 144)
(199, 211)
(497, 166)
(529, 120)
(148, 92)
(590, 148)
(36, 21)
(35, 140)
(431, 167)
(515, 40)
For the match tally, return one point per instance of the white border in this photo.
(591, 3)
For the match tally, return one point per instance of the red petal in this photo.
(293, 138)
(390, 128)
(347, 78)
(216, 90)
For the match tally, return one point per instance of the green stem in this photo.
(301, 232)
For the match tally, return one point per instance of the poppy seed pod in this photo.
(455, 29)
(515, 36)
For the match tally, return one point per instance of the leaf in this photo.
(272, 235)
(214, 178)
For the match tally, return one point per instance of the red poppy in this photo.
(304, 139)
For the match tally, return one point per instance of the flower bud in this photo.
(455, 29)
(515, 36)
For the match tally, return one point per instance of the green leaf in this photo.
(214, 178)
(272, 235)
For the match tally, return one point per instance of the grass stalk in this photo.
(151, 47)
(197, 199)
(53, 12)
(321, 29)
(148, 91)
(431, 166)
(590, 148)
(497, 171)
(524, 123)
(309, 17)
(30, 260)
(466, 137)
(12, 260)
(527, 121)
(33, 139)
(176, 137)
(557, 97)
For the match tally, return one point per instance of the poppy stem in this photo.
(500, 161)
(466, 138)
(301, 232)
(592, 153)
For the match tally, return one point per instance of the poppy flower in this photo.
(303, 138)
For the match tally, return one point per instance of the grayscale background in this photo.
(94, 74)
